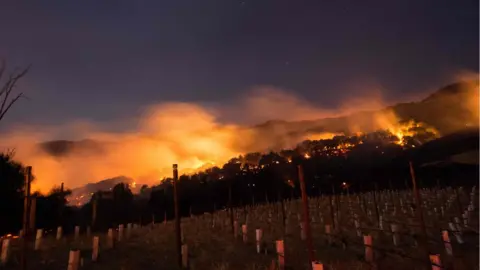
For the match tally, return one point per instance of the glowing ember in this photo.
(409, 129)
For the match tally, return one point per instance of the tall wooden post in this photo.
(94, 212)
(26, 215)
(332, 215)
(306, 216)
(330, 201)
(335, 197)
(61, 204)
(178, 239)
(282, 205)
(375, 203)
(33, 213)
(391, 192)
(459, 203)
(230, 209)
(418, 201)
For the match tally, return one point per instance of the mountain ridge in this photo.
(443, 110)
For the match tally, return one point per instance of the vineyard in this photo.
(239, 135)
(381, 229)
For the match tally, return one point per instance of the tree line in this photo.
(339, 165)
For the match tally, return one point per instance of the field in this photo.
(212, 245)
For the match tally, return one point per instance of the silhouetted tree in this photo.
(11, 193)
(7, 98)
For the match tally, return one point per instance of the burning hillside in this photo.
(83, 194)
(402, 136)
(192, 137)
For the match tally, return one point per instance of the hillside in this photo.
(448, 110)
(445, 110)
(82, 194)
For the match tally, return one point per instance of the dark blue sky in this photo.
(103, 60)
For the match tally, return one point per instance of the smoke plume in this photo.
(184, 133)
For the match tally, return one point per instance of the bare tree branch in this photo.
(7, 89)
(3, 112)
(2, 67)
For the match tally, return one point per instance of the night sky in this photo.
(104, 60)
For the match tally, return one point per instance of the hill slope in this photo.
(450, 109)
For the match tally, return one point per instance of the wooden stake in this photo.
(457, 196)
(59, 232)
(334, 211)
(235, 228)
(306, 216)
(185, 256)
(110, 238)
(395, 234)
(177, 216)
(129, 230)
(367, 241)
(94, 212)
(258, 238)
(26, 215)
(230, 209)
(5, 251)
(96, 241)
(38, 239)
(120, 232)
(282, 204)
(328, 232)
(244, 233)
(61, 205)
(418, 202)
(357, 227)
(375, 204)
(73, 260)
(280, 253)
(317, 265)
(332, 215)
(33, 213)
(446, 241)
(436, 263)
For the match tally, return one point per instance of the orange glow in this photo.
(321, 136)
(191, 136)
(408, 129)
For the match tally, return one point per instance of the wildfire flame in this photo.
(401, 131)
(191, 136)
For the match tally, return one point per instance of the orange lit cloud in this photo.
(184, 133)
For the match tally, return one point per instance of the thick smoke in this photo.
(184, 133)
